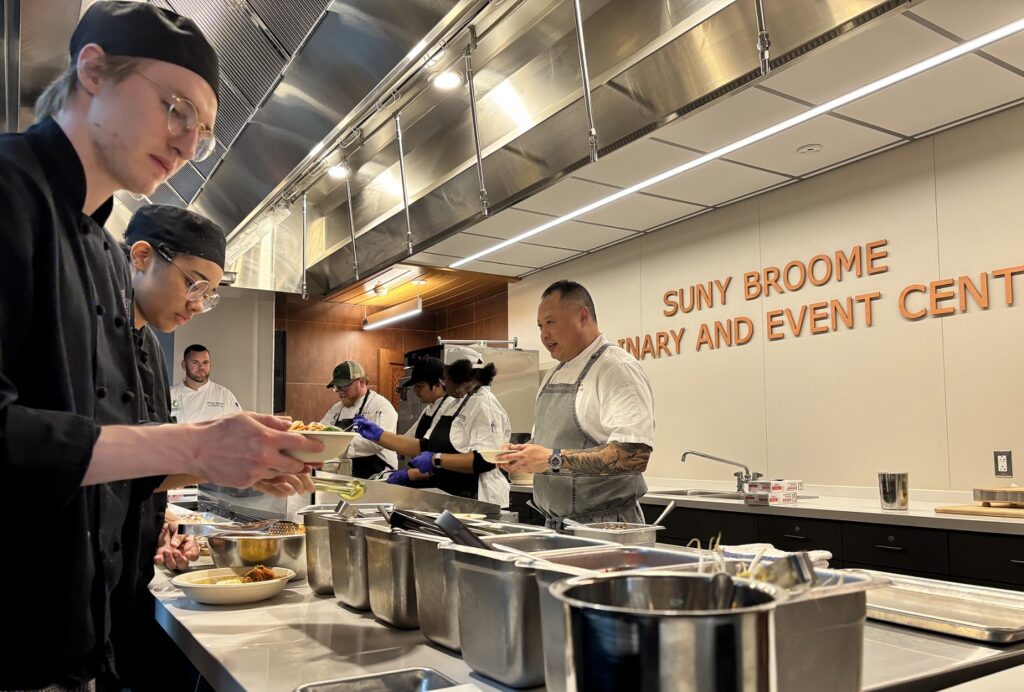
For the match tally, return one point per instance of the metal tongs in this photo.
(267, 527)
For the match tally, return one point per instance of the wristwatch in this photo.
(555, 460)
(437, 460)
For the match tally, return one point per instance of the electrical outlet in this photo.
(1004, 463)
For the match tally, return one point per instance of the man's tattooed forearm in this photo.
(609, 459)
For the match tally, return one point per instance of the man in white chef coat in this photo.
(197, 398)
(357, 399)
(593, 430)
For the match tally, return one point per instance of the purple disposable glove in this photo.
(423, 462)
(399, 477)
(367, 429)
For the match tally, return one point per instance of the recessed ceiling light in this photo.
(341, 171)
(838, 102)
(447, 80)
(809, 149)
(419, 282)
(380, 289)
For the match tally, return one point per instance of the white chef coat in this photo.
(615, 402)
(378, 410)
(210, 400)
(483, 423)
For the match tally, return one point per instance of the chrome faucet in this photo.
(742, 477)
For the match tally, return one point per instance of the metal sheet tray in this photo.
(962, 610)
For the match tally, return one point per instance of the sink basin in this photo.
(399, 681)
(717, 494)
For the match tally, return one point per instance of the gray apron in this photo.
(580, 497)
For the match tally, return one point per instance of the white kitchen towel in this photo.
(748, 551)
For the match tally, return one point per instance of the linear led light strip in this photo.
(906, 73)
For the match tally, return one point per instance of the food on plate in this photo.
(220, 580)
(299, 426)
(258, 573)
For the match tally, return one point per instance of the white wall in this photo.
(240, 335)
(934, 397)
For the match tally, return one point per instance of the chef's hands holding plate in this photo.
(528, 458)
(247, 449)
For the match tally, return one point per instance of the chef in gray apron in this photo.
(594, 421)
(358, 400)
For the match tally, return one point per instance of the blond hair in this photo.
(56, 96)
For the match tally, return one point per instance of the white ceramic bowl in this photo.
(493, 455)
(335, 445)
(231, 594)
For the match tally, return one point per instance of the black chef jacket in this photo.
(134, 633)
(67, 366)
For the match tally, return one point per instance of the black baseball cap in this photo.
(346, 373)
(142, 30)
(427, 369)
(177, 230)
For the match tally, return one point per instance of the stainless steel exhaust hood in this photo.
(650, 62)
(304, 77)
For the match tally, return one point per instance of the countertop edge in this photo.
(994, 525)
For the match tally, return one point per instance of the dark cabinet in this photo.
(900, 548)
(685, 524)
(798, 533)
(987, 557)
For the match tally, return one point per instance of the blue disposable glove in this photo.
(399, 477)
(423, 462)
(367, 429)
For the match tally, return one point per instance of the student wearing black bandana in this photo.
(138, 100)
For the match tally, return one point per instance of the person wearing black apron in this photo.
(426, 381)
(593, 430)
(445, 457)
(197, 247)
(359, 401)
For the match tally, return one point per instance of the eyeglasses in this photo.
(340, 390)
(198, 291)
(183, 117)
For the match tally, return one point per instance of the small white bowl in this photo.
(335, 445)
(231, 594)
(492, 455)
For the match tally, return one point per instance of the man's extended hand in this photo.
(528, 458)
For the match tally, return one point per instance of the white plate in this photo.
(491, 455)
(230, 594)
(335, 445)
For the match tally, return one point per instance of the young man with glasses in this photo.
(70, 391)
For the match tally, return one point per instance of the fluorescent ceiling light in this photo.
(838, 102)
(393, 314)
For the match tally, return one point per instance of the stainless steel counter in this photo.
(298, 637)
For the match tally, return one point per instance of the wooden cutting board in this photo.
(977, 510)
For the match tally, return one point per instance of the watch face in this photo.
(555, 462)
